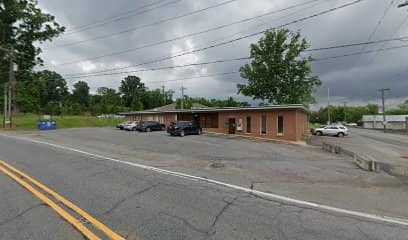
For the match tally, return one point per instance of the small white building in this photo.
(396, 122)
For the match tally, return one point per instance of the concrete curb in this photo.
(367, 163)
(363, 162)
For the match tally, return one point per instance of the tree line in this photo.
(353, 114)
(46, 92)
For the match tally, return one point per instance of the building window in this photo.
(248, 124)
(263, 125)
(280, 125)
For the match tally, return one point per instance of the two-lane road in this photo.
(141, 204)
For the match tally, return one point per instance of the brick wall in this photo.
(294, 124)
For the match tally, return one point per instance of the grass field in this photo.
(29, 121)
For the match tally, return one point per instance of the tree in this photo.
(354, 114)
(43, 91)
(277, 72)
(404, 105)
(80, 94)
(22, 26)
(107, 101)
(132, 91)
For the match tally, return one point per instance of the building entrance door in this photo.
(231, 126)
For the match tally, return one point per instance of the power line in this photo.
(360, 53)
(161, 68)
(120, 17)
(228, 41)
(377, 26)
(189, 35)
(396, 31)
(149, 24)
(227, 60)
(358, 44)
(188, 78)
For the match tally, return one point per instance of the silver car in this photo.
(132, 126)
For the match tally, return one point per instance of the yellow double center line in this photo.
(18, 176)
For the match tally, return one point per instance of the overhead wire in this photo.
(148, 25)
(121, 16)
(231, 60)
(228, 41)
(189, 35)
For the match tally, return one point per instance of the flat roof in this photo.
(224, 109)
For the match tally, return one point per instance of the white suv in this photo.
(332, 130)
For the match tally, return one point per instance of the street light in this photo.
(403, 4)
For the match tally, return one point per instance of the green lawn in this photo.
(29, 121)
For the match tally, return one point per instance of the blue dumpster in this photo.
(47, 125)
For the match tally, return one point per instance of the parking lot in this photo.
(302, 172)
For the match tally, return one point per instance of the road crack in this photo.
(22, 213)
(120, 202)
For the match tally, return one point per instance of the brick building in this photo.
(283, 122)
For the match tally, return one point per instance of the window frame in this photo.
(250, 125)
(278, 133)
(266, 125)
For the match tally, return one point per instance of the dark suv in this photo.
(183, 128)
(148, 126)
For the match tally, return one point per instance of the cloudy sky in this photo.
(93, 28)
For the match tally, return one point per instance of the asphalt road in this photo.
(374, 144)
(141, 204)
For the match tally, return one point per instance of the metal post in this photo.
(345, 112)
(182, 96)
(382, 90)
(328, 107)
(164, 96)
(9, 105)
(5, 105)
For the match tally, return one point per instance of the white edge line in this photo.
(271, 196)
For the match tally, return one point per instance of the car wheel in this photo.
(134, 129)
(148, 129)
(182, 134)
(199, 132)
(162, 128)
(340, 134)
(319, 133)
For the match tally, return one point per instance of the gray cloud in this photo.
(354, 79)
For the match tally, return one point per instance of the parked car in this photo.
(183, 128)
(122, 125)
(132, 126)
(332, 130)
(148, 126)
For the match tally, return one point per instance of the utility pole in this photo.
(328, 107)
(164, 96)
(5, 117)
(383, 90)
(345, 112)
(8, 89)
(182, 96)
(404, 4)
